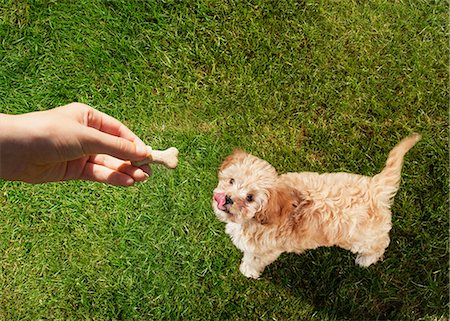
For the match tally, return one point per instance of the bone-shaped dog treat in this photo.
(168, 157)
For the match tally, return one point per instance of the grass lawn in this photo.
(306, 85)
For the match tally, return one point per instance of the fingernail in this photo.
(141, 149)
(129, 181)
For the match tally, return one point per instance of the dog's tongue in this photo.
(220, 199)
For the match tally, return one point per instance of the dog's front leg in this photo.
(253, 264)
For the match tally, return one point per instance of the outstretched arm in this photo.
(68, 143)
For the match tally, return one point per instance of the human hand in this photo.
(69, 143)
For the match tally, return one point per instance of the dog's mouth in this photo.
(221, 203)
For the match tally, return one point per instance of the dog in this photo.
(267, 214)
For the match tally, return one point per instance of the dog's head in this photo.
(248, 189)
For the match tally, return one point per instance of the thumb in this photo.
(97, 142)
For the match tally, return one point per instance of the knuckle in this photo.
(77, 105)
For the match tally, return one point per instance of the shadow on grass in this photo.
(329, 280)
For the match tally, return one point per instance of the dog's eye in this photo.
(249, 198)
(232, 181)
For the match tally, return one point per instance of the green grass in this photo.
(306, 85)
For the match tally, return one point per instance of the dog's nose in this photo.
(228, 200)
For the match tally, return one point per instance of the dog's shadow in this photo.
(330, 280)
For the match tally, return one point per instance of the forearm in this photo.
(4, 143)
(13, 147)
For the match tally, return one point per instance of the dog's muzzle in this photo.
(223, 201)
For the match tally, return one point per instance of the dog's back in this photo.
(335, 186)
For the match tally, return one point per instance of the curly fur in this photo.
(268, 214)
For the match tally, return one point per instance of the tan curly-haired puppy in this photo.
(268, 214)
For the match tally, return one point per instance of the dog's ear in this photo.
(283, 202)
(237, 156)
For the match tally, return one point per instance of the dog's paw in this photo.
(366, 260)
(249, 271)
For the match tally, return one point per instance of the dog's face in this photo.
(244, 188)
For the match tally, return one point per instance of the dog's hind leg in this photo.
(373, 253)
(366, 259)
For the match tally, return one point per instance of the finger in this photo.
(147, 169)
(97, 142)
(138, 174)
(107, 124)
(90, 117)
(102, 174)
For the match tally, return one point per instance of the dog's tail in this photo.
(387, 181)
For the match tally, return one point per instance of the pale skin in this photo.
(72, 142)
